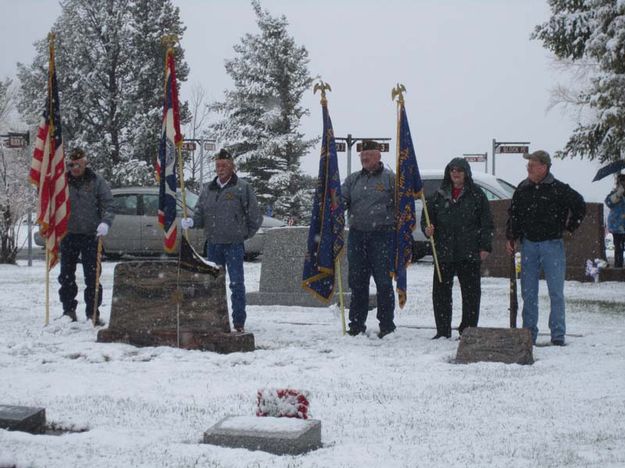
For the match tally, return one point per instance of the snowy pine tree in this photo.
(261, 115)
(592, 32)
(109, 60)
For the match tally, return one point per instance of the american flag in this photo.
(171, 138)
(47, 171)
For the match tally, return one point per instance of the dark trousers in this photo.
(619, 244)
(470, 286)
(369, 253)
(73, 247)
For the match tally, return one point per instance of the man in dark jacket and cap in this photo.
(91, 216)
(462, 226)
(542, 209)
(369, 197)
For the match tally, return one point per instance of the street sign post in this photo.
(188, 146)
(477, 157)
(382, 146)
(509, 147)
(15, 140)
(513, 149)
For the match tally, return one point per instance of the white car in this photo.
(493, 187)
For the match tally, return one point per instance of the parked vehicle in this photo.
(493, 187)
(136, 231)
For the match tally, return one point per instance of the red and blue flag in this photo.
(171, 139)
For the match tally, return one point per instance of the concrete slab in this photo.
(23, 418)
(282, 436)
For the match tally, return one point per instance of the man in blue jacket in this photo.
(229, 213)
(542, 209)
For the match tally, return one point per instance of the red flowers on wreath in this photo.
(282, 402)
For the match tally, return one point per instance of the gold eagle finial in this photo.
(398, 90)
(322, 86)
(169, 40)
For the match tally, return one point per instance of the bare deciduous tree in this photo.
(16, 196)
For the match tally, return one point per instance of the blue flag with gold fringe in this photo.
(327, 223)
(408, 186)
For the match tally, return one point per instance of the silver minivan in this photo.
(494, 188)
(136, 231)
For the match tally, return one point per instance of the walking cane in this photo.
(98, 270)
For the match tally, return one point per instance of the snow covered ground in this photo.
(394, 402)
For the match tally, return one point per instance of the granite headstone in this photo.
(507, 345)
(156, 303)
(282, 268)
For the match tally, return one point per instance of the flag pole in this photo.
(398, 91)
(51, 38)
(47, 317)
(337, 266)
(169, 41)
(98, 271)
(427, 220)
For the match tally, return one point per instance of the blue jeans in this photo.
(548, 255)
(370, 253)
(231, 255)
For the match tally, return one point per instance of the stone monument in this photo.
(282, 267)
(156, 303)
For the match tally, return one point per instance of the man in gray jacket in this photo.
(369, 195)
(229, 213)
(90, 217)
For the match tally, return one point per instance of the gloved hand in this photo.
(102, 229)
(186, 223)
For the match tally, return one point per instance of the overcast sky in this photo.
(470, 71)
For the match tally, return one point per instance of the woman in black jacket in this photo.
(462, 226)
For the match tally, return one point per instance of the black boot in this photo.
(71, 314)
(440, 335)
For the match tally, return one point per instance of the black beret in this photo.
(223, 154)
(370, 145)
(76, 153)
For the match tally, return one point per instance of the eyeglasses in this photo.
(456, 169)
